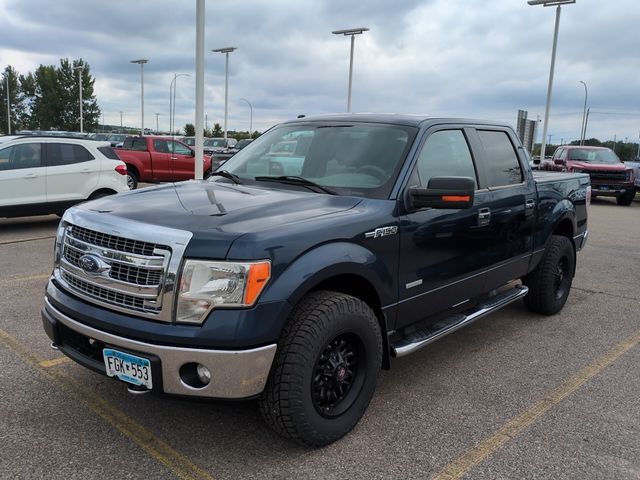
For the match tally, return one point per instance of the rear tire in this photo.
(550, 283)
(132, 180)
(325, 371)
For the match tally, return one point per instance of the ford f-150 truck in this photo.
(158, 159)
(609, 175)
(294, 279)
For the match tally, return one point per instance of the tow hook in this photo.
(137, 389)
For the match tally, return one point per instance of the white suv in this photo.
(43, 175)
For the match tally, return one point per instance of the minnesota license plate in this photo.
(128, 368)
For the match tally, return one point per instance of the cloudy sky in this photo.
(472, 58)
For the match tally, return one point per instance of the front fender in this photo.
(330, 260)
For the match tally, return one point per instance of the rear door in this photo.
(22, 175)
(161, 159)
(72, 172)
(444, 253)
(511, 207)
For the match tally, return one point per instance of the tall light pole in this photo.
(352, 32)
(172, 99)
(584, 114)
(121, 129)
(80, 68)
(558, 4)
(8, 108)
(157, 128)
(250, 115)
(226, 51)
(141, 62)
(199, 145)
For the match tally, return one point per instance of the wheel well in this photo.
(106, 191)
(361, 288)
(565, 229)
(132, 169)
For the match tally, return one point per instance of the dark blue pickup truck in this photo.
(295, 274)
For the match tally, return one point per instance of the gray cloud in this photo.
(463, 58)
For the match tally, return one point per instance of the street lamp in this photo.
(157, 128)
(558, 4)
(172, 99)
(141, 62)
(352, 32)
(250, 116)
(226, 51)
(584, 114)
(80, 68)
(8, 108)
(121, 130)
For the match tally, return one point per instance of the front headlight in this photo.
(205, 285)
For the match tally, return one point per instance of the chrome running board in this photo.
(426, 335)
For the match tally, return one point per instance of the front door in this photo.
(181, 161)
(444, 253)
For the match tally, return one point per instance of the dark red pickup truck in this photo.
(158, 159)
(610, 177)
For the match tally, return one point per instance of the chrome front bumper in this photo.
(234, 374)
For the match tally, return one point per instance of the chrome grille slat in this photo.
(600, 175)
(113, 242)
(104, 294)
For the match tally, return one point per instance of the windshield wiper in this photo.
(295, 180)
(226, 174)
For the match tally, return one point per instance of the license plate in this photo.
(128, 368)
(603, 187)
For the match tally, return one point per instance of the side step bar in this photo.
(424, 336)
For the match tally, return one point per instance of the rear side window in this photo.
(503, 167)
(109, 153)
(26, 155)
(66, 154)
(139, 144)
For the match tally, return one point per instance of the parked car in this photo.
(219, 145)
(297, 290)
(609, 175)
(243, 143)
(635, 167)
(117, 139)
(158, 159)
(43, 175)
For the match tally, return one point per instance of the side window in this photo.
(445, 154)
(27, 155)
(503, 167)
(179, 148)
(161, 146)
(66, 154)
(558, 153)
(139, 144)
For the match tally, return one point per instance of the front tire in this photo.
(325, 370)
(550, 283)
(626, 198)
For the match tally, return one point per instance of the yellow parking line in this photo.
(179, 465)
(459, 467)
(54, 363)
(29, 278)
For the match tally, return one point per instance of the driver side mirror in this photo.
(560, 161)
(442, 192)
(193, 153)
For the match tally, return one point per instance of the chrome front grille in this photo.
(604, 175)
(124, 266)
(112, 241)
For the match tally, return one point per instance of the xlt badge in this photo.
(382, 232)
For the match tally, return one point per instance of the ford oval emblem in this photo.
(89, 263)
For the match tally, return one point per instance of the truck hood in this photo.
(599, 167)
(217, 213)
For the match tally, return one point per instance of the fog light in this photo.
(204, 375)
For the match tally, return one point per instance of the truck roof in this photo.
(390, 118)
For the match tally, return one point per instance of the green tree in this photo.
(16, 101)
(217, 130)
(189, 130)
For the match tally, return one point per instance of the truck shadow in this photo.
(24, 226)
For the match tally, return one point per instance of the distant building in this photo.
(526, 129)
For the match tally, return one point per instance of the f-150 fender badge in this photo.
(382, 232)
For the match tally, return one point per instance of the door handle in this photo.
(85, 170)
(529, 204)
(484, 216)
(174, 158)
(30, 175)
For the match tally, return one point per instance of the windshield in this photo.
(350, 159)
(191, 141)
(215, 142)
(594, 156)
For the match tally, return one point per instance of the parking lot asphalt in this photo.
(515, 395)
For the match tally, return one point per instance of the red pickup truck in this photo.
(158, 159)
(609, 175)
